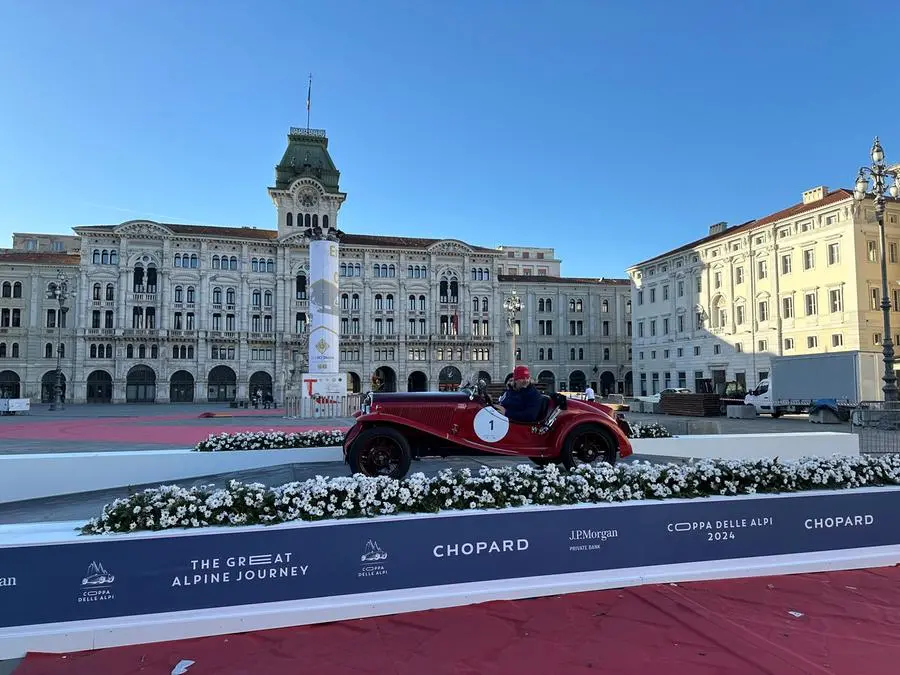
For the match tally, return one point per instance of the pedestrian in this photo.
(589, 393)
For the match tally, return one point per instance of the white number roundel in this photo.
(490, 425)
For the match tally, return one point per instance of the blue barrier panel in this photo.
(100, 577)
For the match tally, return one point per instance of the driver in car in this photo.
(521, 402)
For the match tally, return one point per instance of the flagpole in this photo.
(308, 96)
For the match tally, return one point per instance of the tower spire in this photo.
(308, 98)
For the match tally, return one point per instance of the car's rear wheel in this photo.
(588, 444)
(380, 451)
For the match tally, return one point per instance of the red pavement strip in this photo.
(847, 624)
(141, 430)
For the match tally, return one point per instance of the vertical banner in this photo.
(324, 320)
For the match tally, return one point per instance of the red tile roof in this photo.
(831, 198)
(544, 279)
(271, 235)
(10, 256)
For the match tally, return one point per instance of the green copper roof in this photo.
(307, 156)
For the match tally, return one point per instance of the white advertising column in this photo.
(324, 308)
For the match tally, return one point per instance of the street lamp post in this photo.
(59, 292)
(879, 173)
(512, 305)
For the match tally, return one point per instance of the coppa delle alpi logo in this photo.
(372, 560)
(96, 584)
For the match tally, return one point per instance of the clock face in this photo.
(307, 198)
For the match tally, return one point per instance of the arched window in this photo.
(17, 289)
(217, 296)
(474, 274)
(256, 298)
(550, 353)
(138, 285)
(190, 294)
(96, 257)
(325, 220)
(343, 269)
(2, 350)
(93, 351)
(475, 304)
(177, 260)
(345, 301)
(175, 352)
(571, 305)
(357, 270)
(541, 305)
(234, 262)
(109, 351)
(254, 265)
(376, 270)
(541, 354)
(628, 307)
(110, 292)
(151, 278)
(549, 305)
(95, 295)
(392, 271)
(7, 289)
(270, 266)
(229, 296)
(484, 304)
(195, 261)
(215, 262)
(179, 294)
(487, 275)
(154, 351)
(579, 306)
(384, 271)
(604, 306)
(454, 291)
(129, 351)
(15, 350)
(443, 290)
(606, 353)
(379, 301)
(290, 219)
(48, 351)
(268, 298)
(105, 257)
(572, 354)
(354, 301)
(315, 220)
(142, 351)
(389, 301)
(113, 258)
(581, 354)
(301, 286)
(307, 220)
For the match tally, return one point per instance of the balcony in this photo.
(100, 331)
(261, 337)
(184, 334)
(222, 335)
(142, 297)
(143, 332)
(384, 338)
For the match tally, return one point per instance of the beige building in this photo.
(169, 312)
(805, 279)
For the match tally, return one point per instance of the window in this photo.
(717, 280)
(606, 353)
(179, 294)
(837, 340)
(763, 345)
(680, 289)
(697, 351)
(763, 310)
(738, 347)
(605, 328)
(874, 298)
(640, 297)
(665, 292)
(762, 269)
(809, 259)
(640, 329)
(892, 251)
(788, 344)
(811, 303)
(836, 300)
(300, 283)
(787, 307)
(834, 253)
(786, 263)
(229, 296)
(896, 304)
(739, 275)
(739, 315)
(717, 349)
(680, 323)
(812, 342)
(699, 284)
(652, 327)
(652, 295)
(876, 339)
(872, 251)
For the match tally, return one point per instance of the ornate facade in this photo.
(167, 312)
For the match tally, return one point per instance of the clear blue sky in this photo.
(610, 130)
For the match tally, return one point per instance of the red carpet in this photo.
(848, 623)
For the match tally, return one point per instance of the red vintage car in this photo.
(393, 429)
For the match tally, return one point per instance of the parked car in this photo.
(392, 429)
(655, 398)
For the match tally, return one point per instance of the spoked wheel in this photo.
(588, 444)
(380, 451)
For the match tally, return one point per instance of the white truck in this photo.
(797, 383)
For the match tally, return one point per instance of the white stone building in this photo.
(803, 280)
(169, 312)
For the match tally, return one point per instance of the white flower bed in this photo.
(270, 440)
(280, 440)
(649, 430)
(321, 498)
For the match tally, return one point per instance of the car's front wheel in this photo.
(587, 444)
(380, 451)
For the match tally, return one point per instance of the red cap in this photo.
(521, 373)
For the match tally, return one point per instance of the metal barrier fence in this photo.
(877, 423)
(320, 407)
